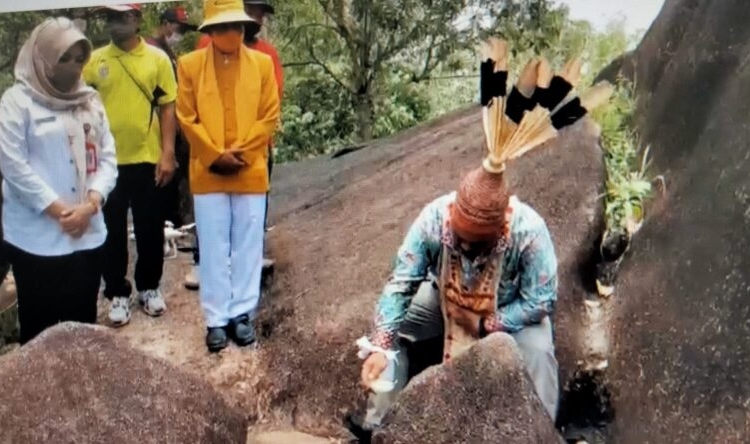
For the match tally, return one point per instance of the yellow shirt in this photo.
(211, 114)
(227, 71)
(135, 128)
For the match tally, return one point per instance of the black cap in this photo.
(264, 3)
(177, 15)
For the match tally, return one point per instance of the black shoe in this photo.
(216, 339)
(354, 423)
(242, 330)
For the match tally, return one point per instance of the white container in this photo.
(387, 380)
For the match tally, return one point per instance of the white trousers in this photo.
(230, 239)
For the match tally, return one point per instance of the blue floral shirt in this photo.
(527, 286)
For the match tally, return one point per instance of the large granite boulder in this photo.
(339, 223)
(76, 383)
(484, 395)
(682, 325)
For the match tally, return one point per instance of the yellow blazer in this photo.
(201, 116)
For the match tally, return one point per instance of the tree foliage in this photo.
(361, 44)
(358, 69)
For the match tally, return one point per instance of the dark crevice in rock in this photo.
(587, 270)
(586, 408)
(349, 149)
(613, 247)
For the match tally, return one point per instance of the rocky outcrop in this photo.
(81, 384)
(483, 395)
(682, 330)
(339, 223)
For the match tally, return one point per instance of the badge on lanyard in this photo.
(91, 159)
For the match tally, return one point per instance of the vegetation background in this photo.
(356, 69)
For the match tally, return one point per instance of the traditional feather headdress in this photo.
(538, 105)
(516, 122)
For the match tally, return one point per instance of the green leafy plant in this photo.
(629, 184)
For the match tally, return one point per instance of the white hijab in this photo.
(39, 56)
(34, 68)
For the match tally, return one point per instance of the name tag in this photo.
(45, 120)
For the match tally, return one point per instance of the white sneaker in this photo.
(191, 279)
(152, 302)
(119, 311)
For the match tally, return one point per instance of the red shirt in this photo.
(258, 45)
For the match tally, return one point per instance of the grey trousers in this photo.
(424, 320)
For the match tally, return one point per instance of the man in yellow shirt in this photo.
(228, 108)
(138, 87)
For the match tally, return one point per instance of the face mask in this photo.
(174, 39)
(121, 32)
(229, 41)
(66, 73)
(65, 80)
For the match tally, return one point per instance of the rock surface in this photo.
(339, 223)
(682, 331)
(483, 396)
(285, 437)
(80, 384)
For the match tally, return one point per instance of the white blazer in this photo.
(38, 168)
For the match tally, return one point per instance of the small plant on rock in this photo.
(628, 184)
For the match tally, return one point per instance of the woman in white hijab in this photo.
(57, 158)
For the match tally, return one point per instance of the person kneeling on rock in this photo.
(479, 238)
(228, 107)
(479, 261)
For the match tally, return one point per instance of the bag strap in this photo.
(153, 101)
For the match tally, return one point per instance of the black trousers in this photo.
(172, 198)
(136, 189)
(53, 289)
(270, 170)
(196, 251)
(178, 203)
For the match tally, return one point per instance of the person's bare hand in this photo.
(165, 169)
(229, 161)
(56, 209)
(373, 366)
(237, 152)
(75, 221)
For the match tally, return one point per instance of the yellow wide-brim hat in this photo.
(216, 12)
